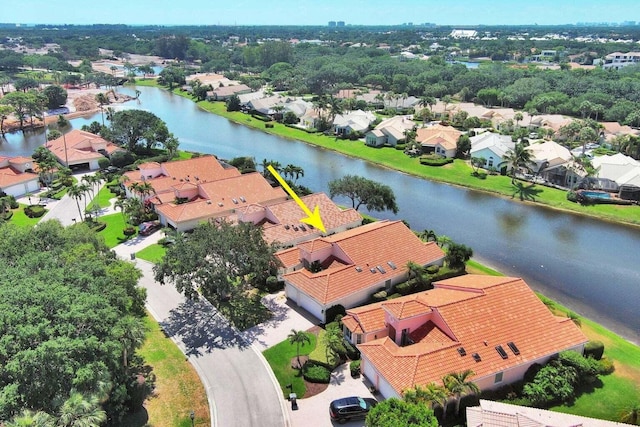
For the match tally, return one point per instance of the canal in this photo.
(589, 265)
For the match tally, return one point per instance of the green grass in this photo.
(320, 352)
(113, 234)
(457, 173)
(178, 388)
(19, 218)
(279, 358)
(474, 267)
(183, 155)
(153, 253)
(102, 199)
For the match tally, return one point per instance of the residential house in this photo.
(17, 177)
(498, 414)
(195, 202)
(347, 268)
(389, 131)
(495, 326)
(281, 221)
(438, 139)
(622, 169)
(614, 129)
(400, 103)
(222, 93)
(80, 149)
(555, 164)
(617, 60)
(492, 147)
(353, 121)
(265, 106)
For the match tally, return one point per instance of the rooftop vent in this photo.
(208, 202)
(286, 227)
(302, 227)
(373, 270)
(513, 348)
(380, 269)
(462, 351)
(220, 204)
(358, 269)
(476, 357)
(501, 352)
(235, 201)
(392, 265)
(295, 228)
(242, 199)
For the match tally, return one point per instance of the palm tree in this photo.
(431, 394)
(457, 384)
(62, 123)
(78, 411)
(333, 342)
(298, 338)
(266, 163)
(516, 158)
(28, 418)
(121, 204)
(131, 333)
(517, 117)
(631, 414)
(76, 192)
(428, 236)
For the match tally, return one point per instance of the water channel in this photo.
(589, 265)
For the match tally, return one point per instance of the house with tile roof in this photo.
(492, 147)
(497, 414)
(389, 131)
(17, 177)
(555, 164)
(438, 139)
(81, 149)
(495, 326)
(281, 222)
(353, 121)
(222, 93)
(347, 268)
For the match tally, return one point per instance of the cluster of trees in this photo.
(70, 329)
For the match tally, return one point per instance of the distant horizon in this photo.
(248, 13)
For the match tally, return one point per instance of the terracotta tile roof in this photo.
(20, 160)
(501, 310)
(406, 309)
(81, 146)
(222, 197)
(10, 176)
(289, 257)
(446, 136)
(365, 247)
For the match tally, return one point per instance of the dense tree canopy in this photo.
(217, 260)
(362, 191)
(69, 310)
(134, 128)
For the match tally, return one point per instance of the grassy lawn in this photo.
(19, 217)
(153, 253)
(279, 358)
(113, 234)
(178, 388)
(620, 389)
(102, 199)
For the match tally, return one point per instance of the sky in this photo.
(318, 12)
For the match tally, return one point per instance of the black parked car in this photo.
(348, 408)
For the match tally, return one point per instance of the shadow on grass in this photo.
(139, 418)
(526, 192)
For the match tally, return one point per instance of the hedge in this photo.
(314, 372)
(433, 161)
(34, 211)
(594, 349)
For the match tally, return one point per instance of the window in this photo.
(498, 378)
(490, 162)
(347, 333)
(358, 338)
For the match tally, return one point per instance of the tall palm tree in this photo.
(131, 333)
(516, 158)
(62, 123)
(457, 384)
(81, 411)
(517, 117)
(298, 338)
(76, 192)
(333, 342)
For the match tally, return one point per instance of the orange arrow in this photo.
(313, 218)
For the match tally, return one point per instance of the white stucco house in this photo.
(17, 177)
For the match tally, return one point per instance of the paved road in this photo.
(240, 385)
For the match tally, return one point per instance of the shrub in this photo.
(594, 349)
(316, 373)
(406, 288)
(605, 366)
(379, 296)
(268, 125)
(354, 367)
(99, 226)
(401, 146)
(104, 163)
(121, 159)
(352, 351)
(129, 231)
(586, 368)
(272, 284)
(432, 269)
(7, 215)
(13, 203)
(34, 211)
(429, 160)
(334, 311)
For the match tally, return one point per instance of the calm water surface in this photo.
(589, 265)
